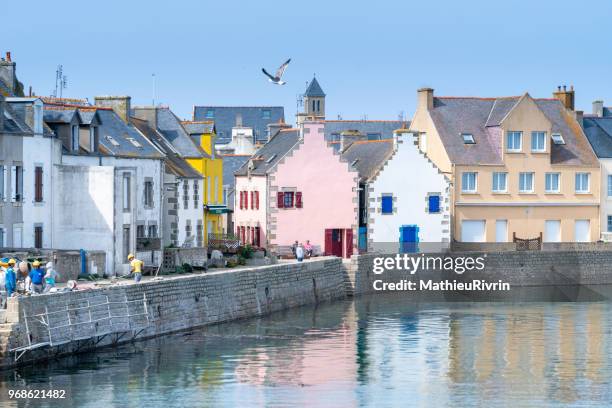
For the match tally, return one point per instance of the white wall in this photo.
(410, 177)
(248, 217)
(192, 213)
(606, 201)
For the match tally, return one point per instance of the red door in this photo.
(349, 242)
(333, 242)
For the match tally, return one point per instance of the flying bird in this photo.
(276, 79)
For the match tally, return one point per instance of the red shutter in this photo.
(246, 200)
(349, 242)
(242, 234)
(248, 234)
(257, 237)
(252, 235)
(328, 241)
(279, 200)
(252, 201)
(298, 199)
(241, 200)
(38, 184)
(257, 200)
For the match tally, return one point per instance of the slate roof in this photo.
(4, 89)
(266, 157)
(112, 125)
(172, 129)
(60, 115)
(481, 117)
(18, 107)
(384, 128)
(199, 128)
(599, 133)
(368, 156)
(224, 118)
(174, 163)
(231, 163)
(12, 122)
(314, 89)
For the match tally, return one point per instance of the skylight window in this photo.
(134, 142)
(557, 139)
(468, 138)
(270, 159)
(112, 140)
(354, 162)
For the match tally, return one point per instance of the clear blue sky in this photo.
(370, 57)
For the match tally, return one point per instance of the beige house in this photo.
(519, 166)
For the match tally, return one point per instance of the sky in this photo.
(369, 57)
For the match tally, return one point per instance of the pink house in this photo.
(314, 196)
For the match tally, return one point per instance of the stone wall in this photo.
(172, 304)
(519, 269)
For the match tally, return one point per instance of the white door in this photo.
(552, 231)
(582, 231)
(473, 231)
(501, 231)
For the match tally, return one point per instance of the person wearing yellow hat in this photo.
(36, 278)
(10, 280)
(135, 267)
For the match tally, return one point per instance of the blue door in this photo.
(363, 239)
(409, 238)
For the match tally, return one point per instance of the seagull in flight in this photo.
(276, 79)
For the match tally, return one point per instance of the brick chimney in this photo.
(425, 98)
(598, 108)
(566, 97)
(274, 128)
(7, 72)
(120, 104)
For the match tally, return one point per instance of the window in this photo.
(582, 182)
(38, 184)
(525, 182)
(335, 137)
(140, 231)
(313, 106)
(468, 182)
(514, 141)
(93, 139)
(468, 138)
(609, 226)
(200, 234)
(38, 236)
(134, 142)
(318, 106)
(210, 113)
(433, 202)
(538, 141)
(266, 114)
(75, 138)
(126, 242)
(17, 183)
(387, 204)
(187, 229)
(3, 183)
(152, 233)
(551, 184)
(196, 194)
(500, 182)
(112, 141)
(288, 199)
(2, 237)
(185, 194)
(148, 193)
(557, 139)
(127, 200)
(609, 186)
(373, 136)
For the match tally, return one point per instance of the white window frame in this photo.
(495, 177)
(468, 138)
(533, 138)
(524, 175)
(74, 133)
(514, 149)
(578, 183)
(463, 182)
(610, 185)
(546, 177)
(557, 138)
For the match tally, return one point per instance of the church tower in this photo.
(314, 103)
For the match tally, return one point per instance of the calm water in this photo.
(387, 350)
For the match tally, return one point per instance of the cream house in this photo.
(520, 167)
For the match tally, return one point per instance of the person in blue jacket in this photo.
(10, 279)
(36, 278)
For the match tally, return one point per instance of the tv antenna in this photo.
(299, 102)
(61, 82)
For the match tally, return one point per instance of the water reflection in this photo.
(383, 350)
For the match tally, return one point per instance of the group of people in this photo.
(300, 251)
(26, 279)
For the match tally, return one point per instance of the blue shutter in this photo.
(434, 204)
(387, 205)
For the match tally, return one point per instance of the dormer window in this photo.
(266, 114)
(557, 139)
(210, 113)
(468, 138)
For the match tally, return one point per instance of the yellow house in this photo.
(520, 167)
(203, 134)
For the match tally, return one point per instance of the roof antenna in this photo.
(154, 87)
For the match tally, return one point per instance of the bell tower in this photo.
(314, 103)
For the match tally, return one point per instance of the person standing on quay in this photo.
(36, 278)
(135, 267)
(10, 279)
(299, 253)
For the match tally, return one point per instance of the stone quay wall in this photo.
(172, 304)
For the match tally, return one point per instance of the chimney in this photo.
(238, 119)
(7, 73)
(274, 128)
(348, 137)
(425, 98)
(579, 117)
(566, 97)
(120, 104)
(598, 108)
(146, 113)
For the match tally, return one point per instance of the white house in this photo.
(408, 201)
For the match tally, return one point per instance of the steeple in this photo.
(314, 89)
(314, 103)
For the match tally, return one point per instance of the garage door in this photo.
(552, 231)
(582, 231)
(473, 231)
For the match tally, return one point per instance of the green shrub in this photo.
(246, 251)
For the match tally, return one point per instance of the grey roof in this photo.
(18, 106)
(367, 157)
(251, 116)
(481, 117)
(231, 163)
(62, 115)
(599, 132)
(174, 163)
(198, 128)
(314, 89)
(269, 154)
(13, 122)
(384, 128)
(4, 89)
(111, 125)
(172, 129)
